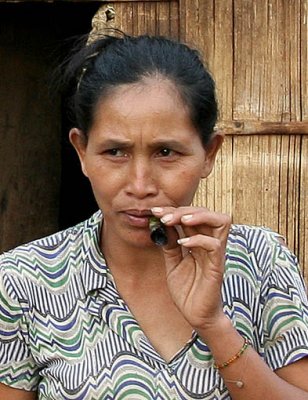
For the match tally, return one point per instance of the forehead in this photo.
(149, 111)
(153, 97)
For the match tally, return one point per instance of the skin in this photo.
(143, 156)
(153, 146)
(9, 393)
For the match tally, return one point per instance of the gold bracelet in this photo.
(235, 357)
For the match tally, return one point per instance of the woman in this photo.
(99, 311)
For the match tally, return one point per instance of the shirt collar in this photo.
(93, 271)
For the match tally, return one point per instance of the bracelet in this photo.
(235, 357)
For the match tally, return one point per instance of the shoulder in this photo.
(263, 256)
(254, 243)
(257, 251)
(50, 257)
(254, 238)
(259, 241)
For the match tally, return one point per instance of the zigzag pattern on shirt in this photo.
(129, 377)
(65, 331)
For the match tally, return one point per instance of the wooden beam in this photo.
(263, 128)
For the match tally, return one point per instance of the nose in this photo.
(141, 181)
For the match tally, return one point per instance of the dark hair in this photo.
(111, 61)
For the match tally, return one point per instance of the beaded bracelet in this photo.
(235, 357)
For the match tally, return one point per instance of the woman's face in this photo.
(142, 152)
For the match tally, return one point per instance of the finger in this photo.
(203, 243)
(192, 216)
(208, 218)
(205, 248)
(210, 224)
(192, 221)
(172, 215)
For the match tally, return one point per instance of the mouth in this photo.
(137, 218)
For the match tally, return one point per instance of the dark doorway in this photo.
(41, 186)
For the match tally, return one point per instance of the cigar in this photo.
(158, 231)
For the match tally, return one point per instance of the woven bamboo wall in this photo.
(257, 52)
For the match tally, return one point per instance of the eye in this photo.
(165, 152)
(115, 152)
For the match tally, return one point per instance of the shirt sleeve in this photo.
(17, 367)
(285, 309)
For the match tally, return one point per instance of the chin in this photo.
(140, 241)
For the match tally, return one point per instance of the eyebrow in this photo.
(119, 143)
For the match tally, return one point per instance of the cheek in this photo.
(104, 184)
(184, 188)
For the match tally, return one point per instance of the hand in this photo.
(195, 260)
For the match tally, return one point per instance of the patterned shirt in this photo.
(66, 332)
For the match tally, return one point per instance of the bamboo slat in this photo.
(290, 179)
(151, 17)
(215, 192)
(303, 209)
(208, 25)
(304, 58)
(267, 60)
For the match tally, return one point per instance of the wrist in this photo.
(218, 330)
(213, 325)
(223, 340)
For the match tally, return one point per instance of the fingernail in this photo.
(156, 209)
(183, 240)
(166, 218)
(186, 217)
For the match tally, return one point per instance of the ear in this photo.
(79, 141)
(211, 151)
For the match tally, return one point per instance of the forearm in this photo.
(259, 381)
(9, 393)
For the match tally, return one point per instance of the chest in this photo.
(160, 321)
(98, 350)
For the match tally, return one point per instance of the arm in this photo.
(296, 373)
(260, 382)
(194, 280)
(9, 393)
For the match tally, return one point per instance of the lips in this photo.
(139, 213)
(137, 218)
